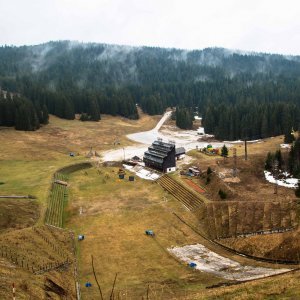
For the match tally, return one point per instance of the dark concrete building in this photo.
(161, 156)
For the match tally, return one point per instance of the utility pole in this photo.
(234, 162)
(246, 150)
(275, 168)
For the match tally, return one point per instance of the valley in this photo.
(114, 213)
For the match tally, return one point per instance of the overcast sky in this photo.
(257, 25)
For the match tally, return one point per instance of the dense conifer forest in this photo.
(239, 95)
(22, 113)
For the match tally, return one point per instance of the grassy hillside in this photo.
(115, 214)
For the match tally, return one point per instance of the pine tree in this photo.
(45, 118)
(269, 162)
(93, 110)
(224, 151)
(184, 118)
(288, 137)
(278, 157)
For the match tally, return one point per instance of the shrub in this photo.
(85, 117)
(209, 170)
(222, 194)
(207, 180)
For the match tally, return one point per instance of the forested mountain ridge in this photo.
(90, 64)
(230, 89)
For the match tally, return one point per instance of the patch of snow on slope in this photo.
(288, 182)
(211, 262)
(141, 172)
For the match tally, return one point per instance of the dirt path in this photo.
(194, 186)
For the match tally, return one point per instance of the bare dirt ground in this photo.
(284, 246)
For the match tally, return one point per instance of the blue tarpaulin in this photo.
(192, 265)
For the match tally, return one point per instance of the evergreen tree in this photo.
(224, 151)
(26, 117)
(68, 110)
(93, 110)
(294, 159)
(288, 137)
(278, 158)
(184, 118)
(269, 162)
(45, 115)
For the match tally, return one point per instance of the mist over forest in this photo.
(238, 94)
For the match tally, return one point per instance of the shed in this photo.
(136, 158)
(195, 171)
(180, 153)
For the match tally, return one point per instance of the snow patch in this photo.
(141, 172)
(200, 130)
(211, 262)
(288, 182)
(285, 146)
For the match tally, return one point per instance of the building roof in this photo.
(135, 158)
(180, 151)
(148, 156)
(163, 145)
(158, 152)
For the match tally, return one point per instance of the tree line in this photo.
(184, 118)
(250, 119)
(238, 95)
(21, 113)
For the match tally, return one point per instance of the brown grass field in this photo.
(115, 214)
